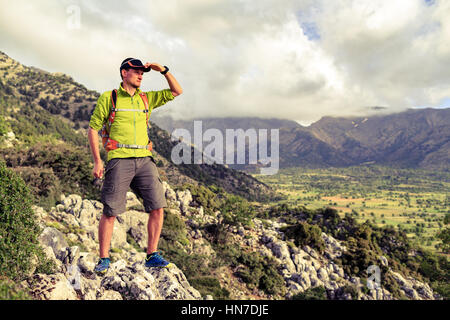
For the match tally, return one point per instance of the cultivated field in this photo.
(413, 200)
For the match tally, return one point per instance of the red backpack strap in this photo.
(145, 99)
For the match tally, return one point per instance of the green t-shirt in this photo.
(129, 127)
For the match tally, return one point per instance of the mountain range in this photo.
(416, 138)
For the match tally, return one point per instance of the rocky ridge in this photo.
(75, 254)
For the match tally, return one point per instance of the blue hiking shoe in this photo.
(155, 260)
(102, 266)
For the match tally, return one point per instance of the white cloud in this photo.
(392, 50)
(249, 58)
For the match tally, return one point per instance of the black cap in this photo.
(132, 63)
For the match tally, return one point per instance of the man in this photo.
(130, 162)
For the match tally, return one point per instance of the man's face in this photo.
(133, 77)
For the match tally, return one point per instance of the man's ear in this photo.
(122, 72)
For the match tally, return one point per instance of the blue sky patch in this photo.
(310, 30)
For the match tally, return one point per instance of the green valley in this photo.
(415, 201)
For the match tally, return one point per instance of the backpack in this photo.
(110, 144)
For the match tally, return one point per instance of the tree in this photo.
(444, 237)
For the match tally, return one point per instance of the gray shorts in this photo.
(139, 174)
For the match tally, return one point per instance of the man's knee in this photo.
(108, 218)
(158, 211)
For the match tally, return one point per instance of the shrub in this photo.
(260, 272)
(237, 210)
(253, 269)
(271, 281)
(444, 237)
(209, 285)
(316, 293)
(43, 184)
(305, 234)
(204, 196)
(11, 291)
(174, 228)
(352, 290)
(54, 162)
(18, 228)
(3, 127)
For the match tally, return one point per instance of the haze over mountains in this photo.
(417, 138)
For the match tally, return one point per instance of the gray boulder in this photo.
(53, 238)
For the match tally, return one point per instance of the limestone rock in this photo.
(133, 201)
(185, 198)
(52, 287)
(127, 277)
(139, 283)
(170, 194)
(53, 238)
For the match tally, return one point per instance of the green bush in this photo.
(19, 231)
(174, 228)
(209, 285)
(44, 165)
(260, 272)
(256, 271)
(3, 127)
(204, 196)
(44, 185)
(196, 268)
(316, 293)
(305, 234)
(444, 237)
(9, 290)
(237, 210)
(352, 290)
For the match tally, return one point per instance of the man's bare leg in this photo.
(105, 230)
(154, 226)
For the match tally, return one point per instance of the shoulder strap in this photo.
(112, 112)
(144, 98)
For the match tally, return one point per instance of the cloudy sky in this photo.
(296, 60)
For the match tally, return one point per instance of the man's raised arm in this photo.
(173, 83)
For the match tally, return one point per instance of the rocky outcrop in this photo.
(74, 254)
(9, 139)
(305, 268)
(127, 278)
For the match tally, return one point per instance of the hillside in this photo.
(57, 93)
(275, 253)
